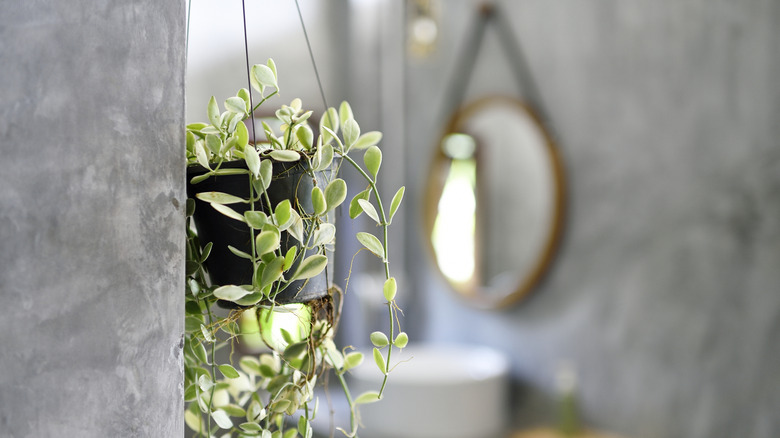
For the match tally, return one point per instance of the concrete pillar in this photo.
(91, 218)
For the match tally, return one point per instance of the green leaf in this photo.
(370, 210)
(345, 112)
(310, 267)
(372, 244)
(324, 158)
(266, 173)
(206, 252)
(354, 206)
(324, 235)
(194, 421)
(352, 360)
(351, 133)
(235, 104)
(264, 75)
(289, 258)
(318, 201)
(230, 292)
(227, 211)
(228, 371)
(272, 65)
(207, 335)
(202, 155)
(401, 340)
(296, 227)
(283, 212)
(399, 196)
(390, 288)
(286, 156)
(371, 138)
(373, 160)
(246, 97)
(380, 361)
(255, 219)
(367, 397)
(272, 271)
(379, 339)
(213, 112)
(238, 253)
(335, 193)
(242, 136)
(252, 160)
(219, 198)
(221, 418)
(305, 136)
(214, 143)
(329, 125)
(266, 242)
(190, 139)
(250, 427)
(205, 383)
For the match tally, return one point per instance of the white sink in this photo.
(442, 391)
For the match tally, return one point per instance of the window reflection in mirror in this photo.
(455, 227)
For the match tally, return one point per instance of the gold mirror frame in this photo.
(439, 167)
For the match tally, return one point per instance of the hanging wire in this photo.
(248, 80)
(189, 13)
(311, 55)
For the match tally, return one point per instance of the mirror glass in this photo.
(494, 201)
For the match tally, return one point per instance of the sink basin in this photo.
(438, 391)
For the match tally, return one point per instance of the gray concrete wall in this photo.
(665, 293)
(91, 218)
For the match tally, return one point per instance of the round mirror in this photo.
(494, 202)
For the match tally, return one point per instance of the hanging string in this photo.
(189, 13)
(248, 80)
(311, 55)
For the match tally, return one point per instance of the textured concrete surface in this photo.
(665, 294)
(91, 218)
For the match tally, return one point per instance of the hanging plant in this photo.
(277, 199)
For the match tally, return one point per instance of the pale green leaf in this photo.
(202, 156)
(371, 138)
(318, 201)
(335, 193)
(289, 258)
(229, 212)
(237, 252)
(401, 340)
(370, 210)
(242, 136)
(194, 421)
(379, 339)
(352, 360)
(230, 292)
(373, 160)
(219, 198)
(324, 158)
(245, 96)
(305, 136)
(222, 419)
(266, 172)
(372, 244)
(390, 288)
(264, 75)
(272, 272)
(286, 156)
(213, 112)
(399, 196)
(367, 397)
(214, 143)
(354, 206)
(235, 104)
(345, 112)
(272, 65)
(283, 213)
(266, 242)
(310, 267)
(329, 125)
(351, 131)
(324, 235)
(255, 219)
(228, 371)
(252, 160)
(207, 335)
(380, 361)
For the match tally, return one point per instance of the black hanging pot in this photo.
(293, 181)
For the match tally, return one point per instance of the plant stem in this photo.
(385, 260)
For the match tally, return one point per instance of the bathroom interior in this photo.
(589, 243)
